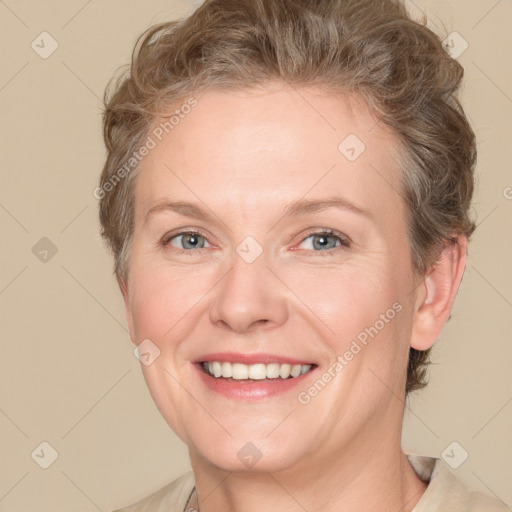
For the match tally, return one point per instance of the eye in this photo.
(322, 241)
(187, 240)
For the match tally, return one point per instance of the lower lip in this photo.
(250, 390)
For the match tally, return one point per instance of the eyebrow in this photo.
(304, 206)
(181, 207)
(295, 209)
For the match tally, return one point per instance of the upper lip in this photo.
(248, 359)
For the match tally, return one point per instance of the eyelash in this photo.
(344, 241)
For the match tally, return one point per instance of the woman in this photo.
(286, 196)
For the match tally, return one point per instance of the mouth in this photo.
(274, 371)
(250, 376)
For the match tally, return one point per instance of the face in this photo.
(266, 242)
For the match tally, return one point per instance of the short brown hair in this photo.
(369, 48)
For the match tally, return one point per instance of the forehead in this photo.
(253, 149)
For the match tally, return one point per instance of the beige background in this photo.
(68, 374)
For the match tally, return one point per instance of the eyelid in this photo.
(166, 239)
(345, 241)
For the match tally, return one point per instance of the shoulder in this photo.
(170, 498)
(446, 493)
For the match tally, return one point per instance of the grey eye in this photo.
(188, 241)
(321, 241)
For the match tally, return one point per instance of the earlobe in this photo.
(437, 293)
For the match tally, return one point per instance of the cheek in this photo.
(347, 298)
(364, 317)
(164, 300)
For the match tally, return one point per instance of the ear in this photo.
(437, 291)
(123, 286)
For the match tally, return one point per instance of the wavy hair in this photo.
(369, 48)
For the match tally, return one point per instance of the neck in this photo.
(362, 476)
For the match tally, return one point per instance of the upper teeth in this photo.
(239, 371)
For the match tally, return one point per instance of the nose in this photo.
(249, 297)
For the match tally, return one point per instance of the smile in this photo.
(258, 371)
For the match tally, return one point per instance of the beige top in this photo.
(445, 493)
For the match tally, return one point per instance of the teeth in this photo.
(284, 371)
(226, 370)
(217, 369)
(273, 370)
(296, 370)
(258, 371)
(239, 371)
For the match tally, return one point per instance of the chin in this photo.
(243, 456)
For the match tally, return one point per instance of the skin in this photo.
(246, 155)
